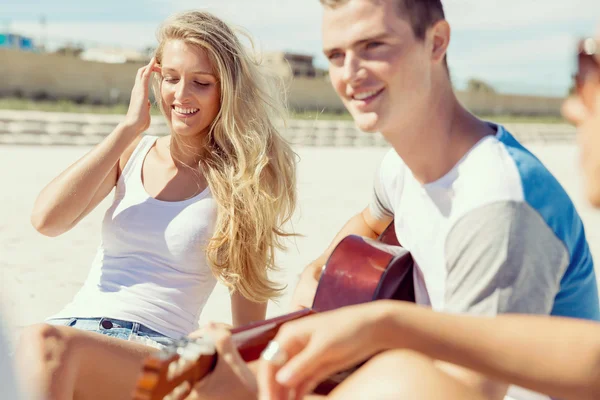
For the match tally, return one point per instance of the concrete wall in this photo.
(57, 76)
(311, 94)
(496, 104)
(34, 127)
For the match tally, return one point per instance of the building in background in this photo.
(292, 65)
(17, 42)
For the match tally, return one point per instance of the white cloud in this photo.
(510, 14)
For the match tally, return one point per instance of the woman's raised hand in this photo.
(138, 114)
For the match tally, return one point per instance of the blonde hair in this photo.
(250, 168)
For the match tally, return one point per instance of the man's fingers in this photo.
(305, 388)
(267, 386)
(230, 355)
(302, 366)
(325, 371)
(290, 340)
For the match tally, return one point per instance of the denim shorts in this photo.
(126, 330)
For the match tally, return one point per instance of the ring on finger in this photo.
(275, 354)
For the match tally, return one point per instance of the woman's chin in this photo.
(182, 129)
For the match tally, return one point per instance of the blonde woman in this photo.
(208, 202)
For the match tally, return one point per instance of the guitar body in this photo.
(359, 270)
(362, 270)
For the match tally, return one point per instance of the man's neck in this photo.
(437, 136)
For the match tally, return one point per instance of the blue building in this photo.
(13, 41)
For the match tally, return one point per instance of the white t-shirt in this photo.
(496, 234)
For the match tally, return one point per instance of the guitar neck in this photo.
(252, 339)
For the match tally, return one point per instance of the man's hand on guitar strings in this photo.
(315, 348)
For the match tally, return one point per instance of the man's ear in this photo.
(439, 35)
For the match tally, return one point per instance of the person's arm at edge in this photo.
(557, 356)
(362, 224)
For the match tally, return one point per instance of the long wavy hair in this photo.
(249, 166)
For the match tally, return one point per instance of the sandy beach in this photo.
(39, 275)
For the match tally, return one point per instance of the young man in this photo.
(510, 257)
(490, 229)
(557, 356)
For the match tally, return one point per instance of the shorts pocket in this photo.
(119, 333)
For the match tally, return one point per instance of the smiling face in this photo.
(189, 88)
(377, 66)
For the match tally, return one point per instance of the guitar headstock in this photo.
(171, 373)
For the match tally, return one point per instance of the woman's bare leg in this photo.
(401, 374)
(63, 363)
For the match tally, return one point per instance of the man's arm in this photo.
(501, 258)
(362, 224)
(370, 222)
(556, 356)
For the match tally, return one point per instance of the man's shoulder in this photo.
(501, 168)
(392, 168)
(540, 187)
(391, 160)
(513, 174)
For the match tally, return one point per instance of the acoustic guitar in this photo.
(359, 270)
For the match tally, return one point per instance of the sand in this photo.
(39, 275)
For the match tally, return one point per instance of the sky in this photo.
(517, 46)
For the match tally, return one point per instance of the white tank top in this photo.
(150, 266)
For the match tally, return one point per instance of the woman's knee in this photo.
(402, 371)
(44, 344)
(383, 376)
(401, 357)
(45, 361)
(398, 374)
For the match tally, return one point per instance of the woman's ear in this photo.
(440, 37)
